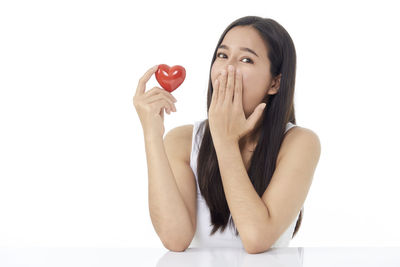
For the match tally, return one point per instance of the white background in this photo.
(72, 161)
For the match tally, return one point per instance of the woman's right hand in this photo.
(150, 105)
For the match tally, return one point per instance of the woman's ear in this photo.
(275, 85)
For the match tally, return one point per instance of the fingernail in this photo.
(237, 71)
(230, 68)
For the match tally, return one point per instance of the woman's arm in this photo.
(168, 212)
(260, 221)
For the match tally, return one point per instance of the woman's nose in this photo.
(230, 61)
(225, 67)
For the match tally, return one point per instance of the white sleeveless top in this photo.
(227, 238)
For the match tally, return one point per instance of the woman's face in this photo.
(257, 80)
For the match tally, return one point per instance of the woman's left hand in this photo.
(226, 116)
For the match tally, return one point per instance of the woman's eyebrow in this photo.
(241, 48)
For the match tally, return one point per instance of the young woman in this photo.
(245, 165)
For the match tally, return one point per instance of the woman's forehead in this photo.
(245, 37)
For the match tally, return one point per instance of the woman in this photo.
(240, 166)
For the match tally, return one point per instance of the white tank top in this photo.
(227, 238)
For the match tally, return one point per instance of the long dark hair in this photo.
(278, 112)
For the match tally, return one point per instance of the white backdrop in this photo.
(72, 161)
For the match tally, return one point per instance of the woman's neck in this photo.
(249, 141)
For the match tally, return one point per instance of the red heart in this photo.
(170, 78)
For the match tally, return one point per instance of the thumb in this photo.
(256, 115)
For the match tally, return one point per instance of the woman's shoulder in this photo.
(185, 132)
(296, 131)
(181, 138)
(297, 136)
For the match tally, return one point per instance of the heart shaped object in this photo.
(170, 78)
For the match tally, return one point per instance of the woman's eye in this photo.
(250, 61)
(220, 54)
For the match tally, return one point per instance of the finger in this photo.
(158, 98)
(215, 89)
(162, 113)
(230, 85)
(222, 86)
(161, 104)
(164, 109)
(214, 98)
(144, 79)
(158, 90)
(237, 98)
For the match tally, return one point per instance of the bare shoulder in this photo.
(300, 138)
(300, 131)
(181, 137)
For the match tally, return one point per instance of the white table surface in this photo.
(219, 257)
